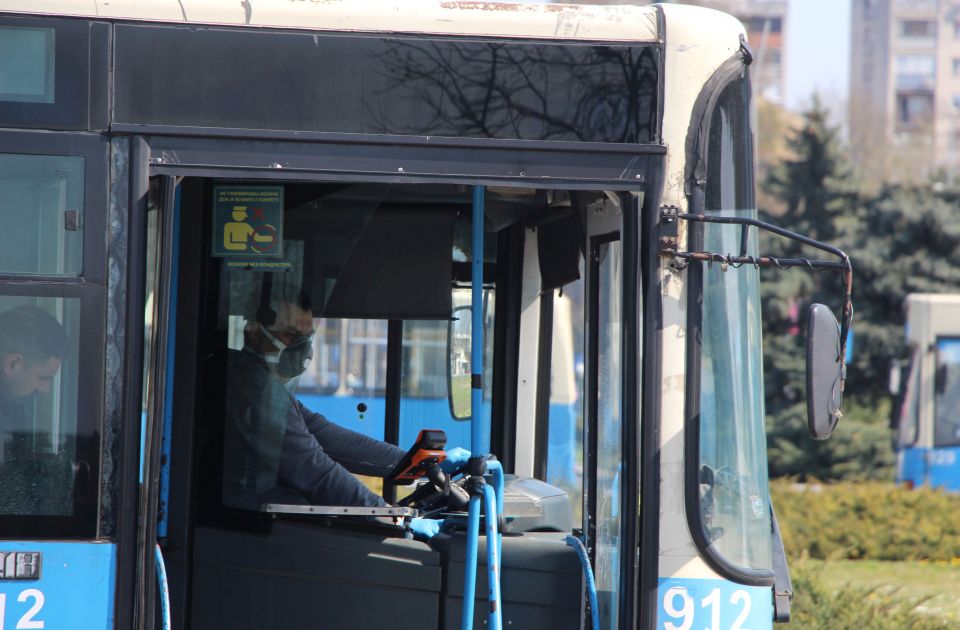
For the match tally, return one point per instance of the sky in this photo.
(818, 53)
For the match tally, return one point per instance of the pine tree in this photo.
(904, 238)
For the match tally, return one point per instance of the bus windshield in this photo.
(734, 501)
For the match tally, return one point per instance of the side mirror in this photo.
(895, 376)
(458, 363)
(824, 372)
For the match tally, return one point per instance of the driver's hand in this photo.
(456, 458)
(424, 528)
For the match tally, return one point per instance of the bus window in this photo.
(609, 437)
(947, 399)
(41, 209)
(27, 64)
(732, 470)
(347, 378)
(39, 367)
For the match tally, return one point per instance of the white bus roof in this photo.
(931, 315)
(465, 17)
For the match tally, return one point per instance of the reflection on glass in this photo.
(433, 407)
(609, 421)
(565, 446)
(460, 346)
(947, 398)
(41, 211)
(38, 404)
(733, 465)
(26, 64)
(732, 472)
(347, 379)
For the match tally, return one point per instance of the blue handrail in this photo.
(470, 563)
(577, 544)
(495, 610)
(479, 434)
(163, 588)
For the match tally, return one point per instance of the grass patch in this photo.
(871, 595)
(933, 584)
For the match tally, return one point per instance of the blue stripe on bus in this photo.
(712, 603)
(75, 589)
(939, 467)
(910, 467)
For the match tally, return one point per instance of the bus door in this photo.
(161, 277)
(611, 446)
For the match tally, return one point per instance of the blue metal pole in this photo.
(494, 613)
(496, 469)
(479, 433)
(470, 563)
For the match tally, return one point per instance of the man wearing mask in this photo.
(277, 450)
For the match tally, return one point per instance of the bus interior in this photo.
(387, 270)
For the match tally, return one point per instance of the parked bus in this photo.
(928, 423)
(576, 182)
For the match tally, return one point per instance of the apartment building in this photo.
(765, 21)
(905, 84)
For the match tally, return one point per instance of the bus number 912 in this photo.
(31, 596)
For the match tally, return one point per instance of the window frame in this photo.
(71, 106)
(94, 150)
(698, 143)
(82, 524)
(89, 287)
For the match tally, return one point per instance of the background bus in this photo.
(928, 419)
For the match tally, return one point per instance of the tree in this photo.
(818, 193)
(903, 238)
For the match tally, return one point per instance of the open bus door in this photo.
(197, 307)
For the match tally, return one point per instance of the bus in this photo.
(927, 426)
(531, 226)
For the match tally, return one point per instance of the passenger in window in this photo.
(37, 473)
(276, 450)
(32, 347)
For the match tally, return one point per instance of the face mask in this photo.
(293, 358)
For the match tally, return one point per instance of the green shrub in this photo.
(867, 520)
(815, 606)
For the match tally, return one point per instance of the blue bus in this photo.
(927, 421)
(576, 182)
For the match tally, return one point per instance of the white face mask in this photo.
(293, 358)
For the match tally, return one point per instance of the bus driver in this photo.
(278, 451)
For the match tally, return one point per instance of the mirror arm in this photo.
(668, 220)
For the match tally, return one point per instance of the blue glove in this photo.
(424, 528)
(456, 458)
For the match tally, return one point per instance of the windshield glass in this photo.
(734, 497)
(946, 421)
